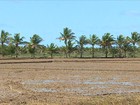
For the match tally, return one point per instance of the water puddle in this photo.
(86, 92)
(77, 90)
(112, 83)
(43, 90)
(87, 87)
(37, 82)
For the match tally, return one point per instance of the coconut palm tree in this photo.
(126, 45)
(4, 38)
(106, 42)
(52, 48)
(11, 49)
(67, 36)
(62, 51)
(135, 38)
(17, 40)
(120, 42)
(94, 40)
(71, 47)
(81, 42)
(42, 50)
(34, 43)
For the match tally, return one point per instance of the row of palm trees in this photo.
(12, 44)
(108, 44)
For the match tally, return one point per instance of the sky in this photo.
(48, 18)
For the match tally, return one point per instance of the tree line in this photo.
(111, 47)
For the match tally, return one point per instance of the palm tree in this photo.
(4, 38)
(126, 45)
(71, 48)
(81, 42)
(34, 43)
(106, 42)
(114, 51)
(67, 36)
(52, 48)
(11, 49)
(17, 40)
(94, 40)
(135, 38)
(62, 51)
(42, 50)
(120, 42)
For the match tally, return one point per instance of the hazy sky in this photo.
(47, 18)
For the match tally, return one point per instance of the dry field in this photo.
(70, 82)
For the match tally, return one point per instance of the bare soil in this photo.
(66, 81)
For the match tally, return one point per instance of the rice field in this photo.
(70, 82)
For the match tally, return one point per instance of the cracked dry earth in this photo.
(66, 81)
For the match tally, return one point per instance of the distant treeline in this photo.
(108, 46)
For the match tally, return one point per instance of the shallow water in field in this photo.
(43, 90)
(36, 82)
(83, 87)
(112, 83)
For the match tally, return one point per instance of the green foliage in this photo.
(80, 44)
(107, 46)
(126, 45)
(106, 42)
(35, 40)
(135, 39)
(11, 49)
(93, 40)
(67, 36)
(17, 40)
(120, 43)
(33, 44)
(31, 50)
(52, 48)
(4, 39)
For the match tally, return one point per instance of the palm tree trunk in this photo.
(125, 53)
(66, 52)
(93, 51)
(106, 52)
(51, 54)
(16, 50)
(2, 45)
(134, 50)
(81, 52)
(120, 53)
(69, 54)
(34, 50)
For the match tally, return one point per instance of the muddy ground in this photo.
(66, 81)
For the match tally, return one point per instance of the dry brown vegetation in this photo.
(70, 82)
